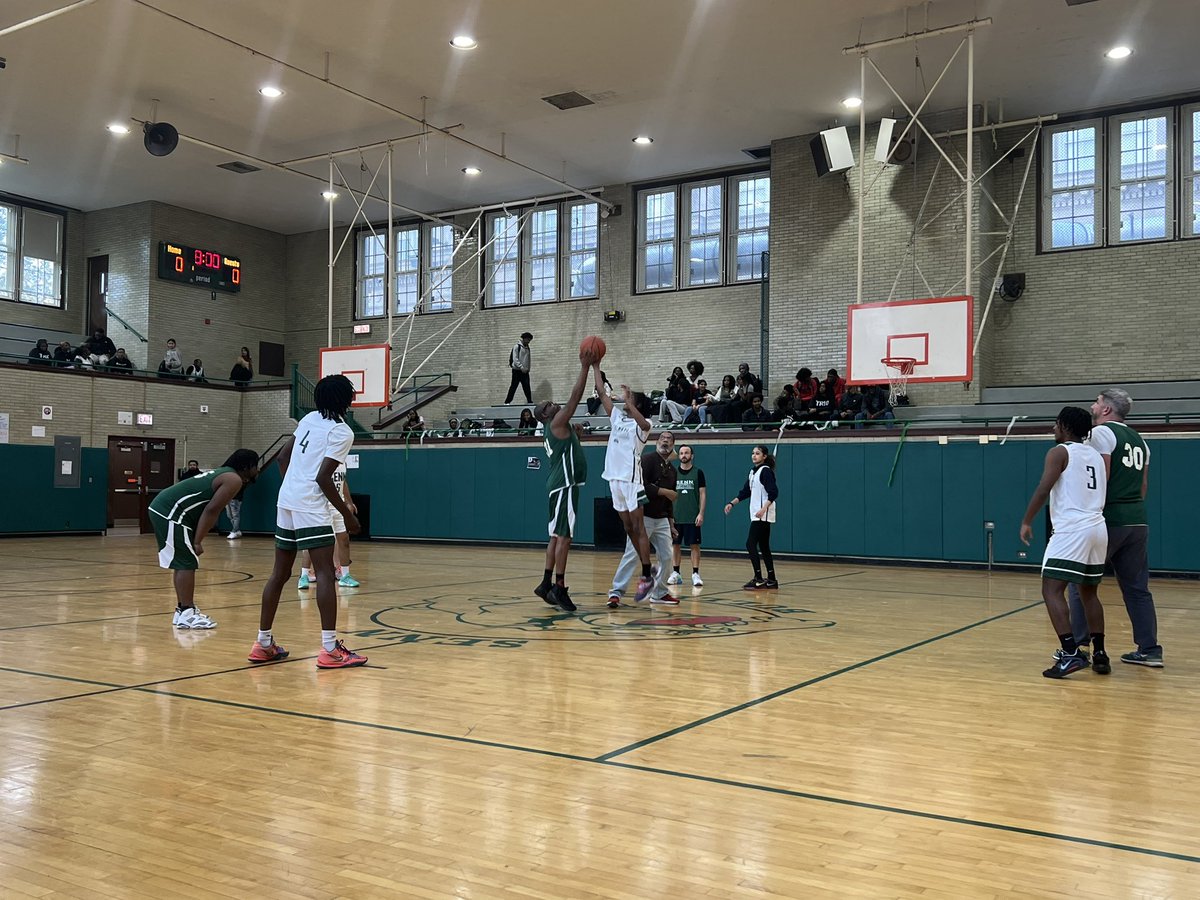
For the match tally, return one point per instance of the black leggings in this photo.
(759, 540)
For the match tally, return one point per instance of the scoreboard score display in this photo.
(193, 265)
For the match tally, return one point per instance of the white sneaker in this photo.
(233, 536)
(191, 618)
(696, 582)
(675, 578)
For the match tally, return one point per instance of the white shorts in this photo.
(1077, 556)
(303, 529)
(339, 524)
(627, 496)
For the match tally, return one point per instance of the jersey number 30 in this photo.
(1134, 457)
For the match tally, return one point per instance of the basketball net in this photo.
(899, 369)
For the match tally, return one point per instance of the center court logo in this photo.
(512, 622)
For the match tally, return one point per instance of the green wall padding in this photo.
(31, 502)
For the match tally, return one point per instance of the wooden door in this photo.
(125, 464)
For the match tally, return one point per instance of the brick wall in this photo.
(122, 234)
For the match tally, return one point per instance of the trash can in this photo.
(363, 503)
(607, 529)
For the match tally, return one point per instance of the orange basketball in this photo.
(593, 345)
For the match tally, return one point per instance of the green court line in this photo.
(774, 695)
(690, 776)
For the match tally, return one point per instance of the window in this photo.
(424, 269)
(31, 242)
(689, 236)
(543, 254)
(1142, 177)
(1071, 198)
(1191, 171)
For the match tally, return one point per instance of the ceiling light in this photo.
(329, 195)
(643, 139)
(270, 91)
(463, 42)
(471, 170)
(852, 102)
(1118, 52)
(118, 128)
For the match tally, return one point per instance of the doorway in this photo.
(97, 293)
(138, 469)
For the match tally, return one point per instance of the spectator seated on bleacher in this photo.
(40, 355)
(84, 358)
(172, 363)
(835, 385)
(757, 417)
(805, 386)
(527, 424)
(701, 400)
(677, 400)
(876, 407)
(785, 404)
(64, 354)
(121, 364)
(414, 422)
(695, 370)
(102, 345)
(850, 405)
(722, 400)
(454, 430)
(822, 404)
(195, 372)
(594, 402)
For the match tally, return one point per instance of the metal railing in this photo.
(126, 325)
(302, 403)
(133, 372)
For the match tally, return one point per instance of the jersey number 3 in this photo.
(1134, 457)
(1091, 478)
(304, 441)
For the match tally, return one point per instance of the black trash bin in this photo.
(363, 503)
(606, 525)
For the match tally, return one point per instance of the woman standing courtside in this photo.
(762, 492)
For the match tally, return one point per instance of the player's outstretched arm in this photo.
(602, 389)
(632, 411)
(1056, 462)
(561, 423)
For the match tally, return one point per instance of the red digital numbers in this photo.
(236, 275)
(207, 260)
(179, 264)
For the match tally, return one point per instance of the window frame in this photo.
(685, 239)
(425, 270)
(1048, 192)
(1189, 171)
(1116, 182)
(19, 209)
(566, 254)
(681, 240)
(525, 258)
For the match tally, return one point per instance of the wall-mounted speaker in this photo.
(831, 151)
(160, 139)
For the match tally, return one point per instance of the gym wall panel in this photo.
(919, 477)
(963, 536)
(847, 498)
(804, 514)
(32, 503)
(883, 506)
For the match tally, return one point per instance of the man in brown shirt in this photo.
(658, 478)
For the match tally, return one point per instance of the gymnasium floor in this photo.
(864, 732)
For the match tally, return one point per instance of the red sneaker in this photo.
(339, 658)
(261, 654)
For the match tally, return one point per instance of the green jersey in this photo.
(568, 466)
(184, 502)
(1128, 458)
(687, 504)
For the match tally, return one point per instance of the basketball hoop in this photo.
(899, 369)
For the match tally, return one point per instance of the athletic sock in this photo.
(345, 572)
(308, 573)
(695, 570)
(265, 639)
(546, 577)
(646, 570)
(329, 640)
(560, 578)
(1098, 642)
(1068, 643)
(770, 575)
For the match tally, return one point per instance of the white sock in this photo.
(265, 639)
(308, 573)
(329, 640)
(345, 572)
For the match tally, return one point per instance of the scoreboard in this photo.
(194, 265)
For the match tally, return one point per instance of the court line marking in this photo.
(708, 779)
(774, 695)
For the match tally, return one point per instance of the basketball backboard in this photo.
(367, 366)
(938, 333)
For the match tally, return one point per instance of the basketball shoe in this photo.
(1066, 664)
(339, 658)
(665, 600)
(675, 578)
(1153, 658)
(643, 588)
(191, 618)
(614, 601)
(560, 598)
(261, 654)
(304, 582)
(347, 582)
(696, 580)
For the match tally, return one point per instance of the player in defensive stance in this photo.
(1074, 481)
(623, 470)
(308, 460)
(568, 471)
(183, 515)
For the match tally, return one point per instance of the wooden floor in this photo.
(864, 732)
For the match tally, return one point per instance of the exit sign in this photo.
(362, 329)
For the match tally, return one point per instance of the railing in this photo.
(414, 387)
(120, 371)
(302, 403)
(127, 326)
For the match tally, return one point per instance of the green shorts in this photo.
(563, 505)
(303, 530)
(174, 544)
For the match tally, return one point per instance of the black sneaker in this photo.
(544, 591)
(560, 598)
(1066, 664)
(1100, 663)
(614, 602)
(754, 584)
(1082, 651)
(1153, 658)
(770, 585)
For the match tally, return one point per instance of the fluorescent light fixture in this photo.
(1118, 52)
(329, 195)
(463, 42)
(852, 102)
(118, 128)
(270, 91)
(643, 139)
(471, 170)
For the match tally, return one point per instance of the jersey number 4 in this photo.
(1134, 457)
(304, 441)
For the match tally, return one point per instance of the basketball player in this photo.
(623, 470)
(1127, 461)
(568, 472)
(341, 540)
(303, 522)
(1073, 479)
(183, 515)
(689, 514)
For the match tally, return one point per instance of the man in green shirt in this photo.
(689, 514)
(568, 471)
(183, 515)
(1127, 461)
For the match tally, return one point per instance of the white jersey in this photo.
(622, 459)
(339, 481)
(1077, 498)
(317, 439)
